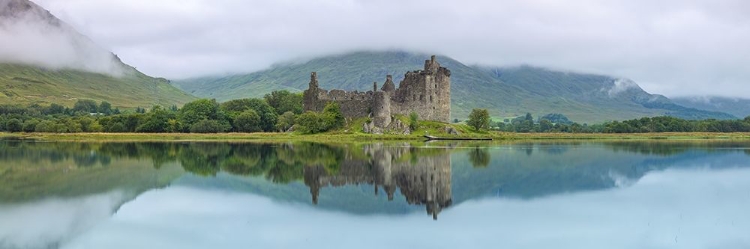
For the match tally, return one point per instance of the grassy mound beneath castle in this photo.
(424, 127)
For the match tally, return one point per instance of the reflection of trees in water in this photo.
(667, 148)
(479, 157)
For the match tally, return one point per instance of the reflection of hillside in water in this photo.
(422, 175)
(332, 173)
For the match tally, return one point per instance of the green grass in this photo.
(348, 136)
(21, 84)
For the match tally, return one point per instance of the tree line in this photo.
(277, 111)
(479, 119)
(282, 111)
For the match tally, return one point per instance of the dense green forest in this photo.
(277, 111)
(282, 111)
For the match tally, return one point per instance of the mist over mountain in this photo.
(31, 35)
(736, 106)
(505, 91)
(43, 60)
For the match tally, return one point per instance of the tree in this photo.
(207, 126)
(413, 121)
(247, 121)
(85, 106)
(285, 121)
(479, 119)
(268, 116)
(332, 116)
(54, 109)
(202, 109)
(310, 123)
(285, 101)
(46, 126)
(156, 121)
(30, 125)
(105, 108)
(545, 125)
(13, 125)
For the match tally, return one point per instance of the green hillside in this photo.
(22, 84)
(506, 92)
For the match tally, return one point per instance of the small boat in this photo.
(430, 138)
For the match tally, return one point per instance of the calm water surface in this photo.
(394, 195)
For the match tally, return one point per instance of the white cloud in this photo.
(672, 47)
(33, 37)
(49, 223)
(620, 86)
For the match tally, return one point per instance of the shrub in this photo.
(332, 117)
(13, 125)
(30, 125)
(46, 126)
(413, 121)
(310, 123)
(206, 126)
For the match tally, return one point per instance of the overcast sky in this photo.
(671, 47)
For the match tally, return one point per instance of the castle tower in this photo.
(381, 110)
(310, 96)
(388, 86)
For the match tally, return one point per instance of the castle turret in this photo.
(388, 86)
(313, 80)
(381, 109)
(431, 65)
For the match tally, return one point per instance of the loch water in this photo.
(567, 194)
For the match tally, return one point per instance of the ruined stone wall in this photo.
(425, 92)
(352, 104)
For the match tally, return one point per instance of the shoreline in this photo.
(356, 137)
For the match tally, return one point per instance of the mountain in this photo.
(736, 106)
(44, 60)
(506, 92)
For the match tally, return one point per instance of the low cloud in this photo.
(621, 86)
(672, 47)
(29, 35)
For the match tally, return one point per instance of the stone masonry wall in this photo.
(425, 92)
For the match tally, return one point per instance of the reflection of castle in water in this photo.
(422, 175)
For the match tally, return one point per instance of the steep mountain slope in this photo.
(44, 60)
(506, 92)
(735, 106)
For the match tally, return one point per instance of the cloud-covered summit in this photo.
(31, 35)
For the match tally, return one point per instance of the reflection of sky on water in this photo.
(50, 222)
(676, 208)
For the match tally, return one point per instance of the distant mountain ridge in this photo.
(61, 65)
(736, 106)
(506, 92)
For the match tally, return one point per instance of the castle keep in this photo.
(426, 92)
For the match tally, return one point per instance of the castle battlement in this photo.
(425, 92)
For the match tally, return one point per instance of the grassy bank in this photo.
(360, 137)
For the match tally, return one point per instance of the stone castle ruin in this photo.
(425, 92)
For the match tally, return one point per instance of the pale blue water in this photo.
(449, 195)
